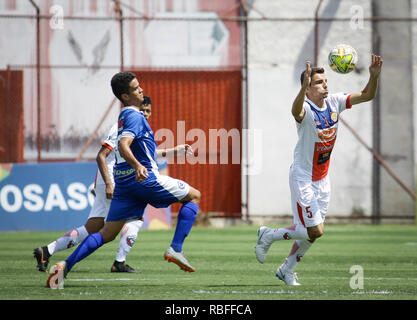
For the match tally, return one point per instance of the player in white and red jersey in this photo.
(317, 117)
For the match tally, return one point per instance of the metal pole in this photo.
(90, 139)
(222, 18)
(38, 80)
(245, 109)
(8, 87)
(376, 131)
(316, 34)
(380, 161)
(118, 9)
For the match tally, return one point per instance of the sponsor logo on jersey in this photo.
(123, 173)
(323, 147)
(323, 157)
(322, 152)
(327, 134)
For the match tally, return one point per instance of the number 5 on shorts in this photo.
(309, 214)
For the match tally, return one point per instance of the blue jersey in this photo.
(130, 197)
(132, 123)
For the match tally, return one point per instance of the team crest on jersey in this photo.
(334, 116)
(181, 185)
(121, 121)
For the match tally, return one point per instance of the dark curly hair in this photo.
(120, 83)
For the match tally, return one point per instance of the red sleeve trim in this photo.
(107, 146)
(348, 106)
(95, 179)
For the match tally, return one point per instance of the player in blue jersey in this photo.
(137, 183)
(103, 191)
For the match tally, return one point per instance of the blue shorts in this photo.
(130, 200)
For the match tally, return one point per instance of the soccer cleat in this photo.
(290, 278)
(122, 267)
(264, 242)
(179, 259)
(57, 273)
(42, 255)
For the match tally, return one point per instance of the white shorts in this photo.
(309, 200)
(101, 204)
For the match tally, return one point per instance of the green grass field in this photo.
(226, 267)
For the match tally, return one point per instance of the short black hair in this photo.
(314, 70)
(146, 100)
(120, 83)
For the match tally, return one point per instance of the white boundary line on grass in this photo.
(157, 279)
(369, 278)
(284, 292)
(119, 279)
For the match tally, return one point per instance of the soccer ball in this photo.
(343, 58)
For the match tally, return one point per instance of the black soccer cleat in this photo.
(42, 255)
(122, 267)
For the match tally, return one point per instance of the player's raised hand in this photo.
(141, 173)
(184, 149)
(376, 65)
(307, 75)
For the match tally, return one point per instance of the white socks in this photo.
(73, 237)
(295, 232)
(127, 239)
(298, 250)
(68, 240)
(301, 244)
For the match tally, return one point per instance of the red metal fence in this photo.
(11, 119)
(204, 100)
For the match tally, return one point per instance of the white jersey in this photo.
(316, 137)
(111, 143)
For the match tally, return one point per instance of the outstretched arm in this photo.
(176, 151)
(368, 93)
(297, 106)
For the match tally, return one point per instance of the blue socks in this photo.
(88, 246)
(186, 218)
